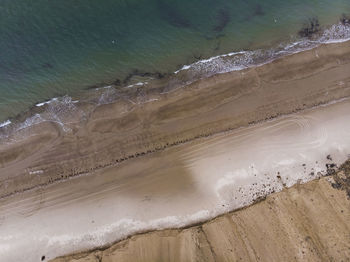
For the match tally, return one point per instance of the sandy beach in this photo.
(116, 132)
(306, 222)
(182, 158)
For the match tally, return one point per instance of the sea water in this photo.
(61, 48)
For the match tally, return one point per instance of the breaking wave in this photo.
(244, 59)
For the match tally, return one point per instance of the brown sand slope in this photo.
(110, 136)
(309, 222)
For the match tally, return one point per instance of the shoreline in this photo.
(149, 168)
(188, 74)
(206, 143)
(248, 79)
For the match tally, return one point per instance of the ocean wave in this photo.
(236, 61)
(336, 34)
(59, 110)
(62, 111)
(107, 95)
(46, 103)
(137, 84)
(5, 123)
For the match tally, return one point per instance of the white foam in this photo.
(137, 84)
(244, 59)
(5, 123)
(107, 96)
(337, 33)
(36, 172)
(59, 110)
(55, 100)
(47, 102)
(233, 61)
(125, 227)
(185, 67)
(209, 60)
(30, 121)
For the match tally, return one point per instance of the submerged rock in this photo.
(258, 10)
(171, 15)
(310, 28)
(345, 19)
(223, 18)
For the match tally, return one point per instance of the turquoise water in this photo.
(55, 48)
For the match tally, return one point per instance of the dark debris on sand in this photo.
(342, 177)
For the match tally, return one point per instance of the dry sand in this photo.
(181, 160)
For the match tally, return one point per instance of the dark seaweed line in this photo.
(119, 83)
(157, 149)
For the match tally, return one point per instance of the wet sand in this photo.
(177, 187)
(124, 130)
(187, 157)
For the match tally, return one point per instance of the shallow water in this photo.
(56, 48)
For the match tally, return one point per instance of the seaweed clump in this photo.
(342, 178)
(136, 72)
(47, 65)
(171, 15)
(258, 10)
(345, 20)
(310, 28)
(223, 18)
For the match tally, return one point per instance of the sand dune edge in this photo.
(307, 222)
